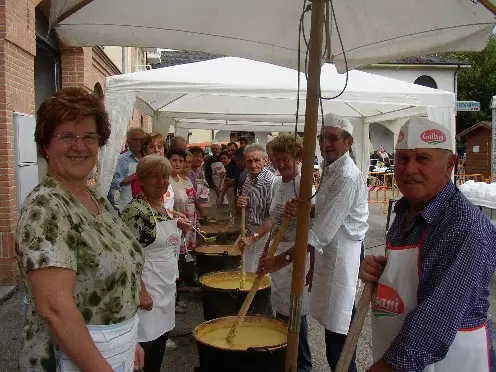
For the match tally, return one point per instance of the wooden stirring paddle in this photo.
(355, 328)
(256, 284)
(243, 234)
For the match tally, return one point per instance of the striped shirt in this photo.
(259, 193)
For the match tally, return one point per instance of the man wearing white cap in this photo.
(341, 213)
(429, 312)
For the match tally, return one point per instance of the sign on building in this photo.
(467, 106)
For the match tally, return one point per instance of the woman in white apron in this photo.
(284, 147)
(160, 238)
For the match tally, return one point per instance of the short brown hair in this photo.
(286, 142)
(148, 140)
(66, 105)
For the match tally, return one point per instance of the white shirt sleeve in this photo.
(333, 215)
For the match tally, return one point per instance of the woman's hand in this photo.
(139, 358)
(146, 301)
(271, 264)
(291, 208)
(244, 243)
(183, 224)
(372, 267)
(180, 215)
(242, 202)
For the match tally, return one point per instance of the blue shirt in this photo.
(457, 263)
(122, 169)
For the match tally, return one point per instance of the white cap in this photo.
(331, 120)
(215, 142)
(422, 133)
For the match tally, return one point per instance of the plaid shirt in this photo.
(457, 263)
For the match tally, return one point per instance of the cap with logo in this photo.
(422, 133)
(331, 120)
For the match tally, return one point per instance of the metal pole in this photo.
(303, 221)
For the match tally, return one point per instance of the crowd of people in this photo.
(102, 273)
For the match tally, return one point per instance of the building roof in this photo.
(428, 60)
(483, 124)
(181, 57)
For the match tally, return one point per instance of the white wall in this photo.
(223, 136)
(443, 77)
(115, 55)
(200, 135)
(381, 136)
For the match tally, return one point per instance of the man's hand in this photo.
(271, 264)
(291, 208)
(146, 301)
(139, 358)
(242, 202)
(372, 267)
(229, 182)
(309, 279)
(381, 366)
(244, 243)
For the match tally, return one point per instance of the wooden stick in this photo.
(305, 194)
(355, 328)
(256, 284)
(243, 234)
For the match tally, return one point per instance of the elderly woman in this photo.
(154, 143)
(286, 154)
(80, 264)
(160, 238)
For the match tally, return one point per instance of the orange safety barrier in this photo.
(384, 182)
(462, 178)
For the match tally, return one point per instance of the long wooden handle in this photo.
(355, 328)
(243, 234)
(256, 284)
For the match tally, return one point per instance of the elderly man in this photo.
(178, 142)
(125, 168)
(430, 307)
(256, 197)
(212, 164)
(341, 213)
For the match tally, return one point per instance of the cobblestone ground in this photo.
(184, 358)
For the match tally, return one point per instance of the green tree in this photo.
(477, 83)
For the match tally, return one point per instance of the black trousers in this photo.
(154, 353)
(334, 345)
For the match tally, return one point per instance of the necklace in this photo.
(152, 209)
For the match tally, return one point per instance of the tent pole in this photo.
(303, 221)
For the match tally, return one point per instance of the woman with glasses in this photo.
(80, 263)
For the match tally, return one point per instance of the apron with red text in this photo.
(396, 296)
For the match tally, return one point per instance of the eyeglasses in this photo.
(71, 138)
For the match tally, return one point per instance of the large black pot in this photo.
(210, 258)
(219, 301)
(220, 358)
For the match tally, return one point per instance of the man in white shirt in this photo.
(341, 213)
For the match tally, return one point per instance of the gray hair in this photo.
(150, 163)
(134, 129)
(256, 147)
(174, 140)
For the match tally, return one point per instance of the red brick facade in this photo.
(80, 67)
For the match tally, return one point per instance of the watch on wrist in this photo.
(288, 258)
(256, 235)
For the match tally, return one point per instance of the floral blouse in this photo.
(56, 230)
(139, 218)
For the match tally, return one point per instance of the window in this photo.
(426, 81)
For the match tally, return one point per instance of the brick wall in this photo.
(17, 50)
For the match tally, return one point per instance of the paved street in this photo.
(184, 359)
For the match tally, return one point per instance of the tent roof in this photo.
(230, 86)
(268, 30)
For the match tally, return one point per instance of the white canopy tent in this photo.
(238, 94)
(371, 31)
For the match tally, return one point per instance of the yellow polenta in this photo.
(231, 280)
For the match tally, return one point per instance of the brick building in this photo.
(33, 65)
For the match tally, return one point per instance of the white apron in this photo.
(334, 282)
(254, 251)
(280, 285)
(218, 176)
(116, 343)
(396, 296)
(126, 195)
(159, 277)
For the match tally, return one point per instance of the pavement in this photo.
(185, 358)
